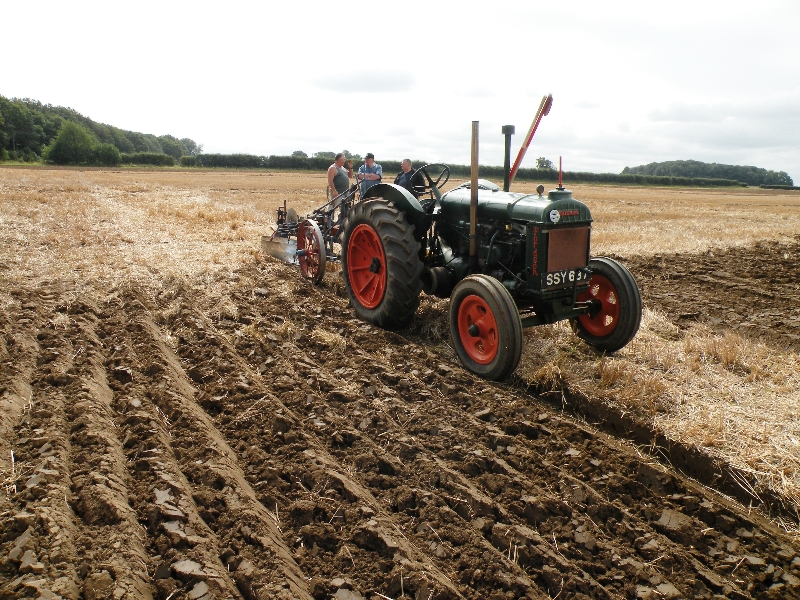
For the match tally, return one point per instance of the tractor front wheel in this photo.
(616, 306)
(381, 265)
(485, 327)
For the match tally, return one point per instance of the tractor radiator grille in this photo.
(567, 248)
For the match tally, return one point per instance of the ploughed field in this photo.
(182, 417)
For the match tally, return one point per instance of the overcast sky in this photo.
(632, 82)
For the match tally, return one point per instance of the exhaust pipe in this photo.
(473, 203)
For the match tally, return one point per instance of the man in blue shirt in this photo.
(369, 173)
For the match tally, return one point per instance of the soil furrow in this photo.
(230, 440)
(200, 508)
(77, 480)
(310, 473)
(529, 499)
(109, 543)
(653, 529)
(19, 350)
(183, 554)
(39, 527)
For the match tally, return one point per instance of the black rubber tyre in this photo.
(619, 306)
(485, 327)
(381, 264)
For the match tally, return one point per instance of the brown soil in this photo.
(750, 290)
(167, 444)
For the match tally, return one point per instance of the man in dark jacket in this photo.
(408, 178)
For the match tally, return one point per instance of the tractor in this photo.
(530, 264)
(505, 260)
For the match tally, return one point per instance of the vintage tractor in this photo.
(530, 266)
(506, 261)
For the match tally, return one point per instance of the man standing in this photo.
(407, 178)
(369, 173)
(338, 176)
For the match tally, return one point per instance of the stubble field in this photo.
(183, 417)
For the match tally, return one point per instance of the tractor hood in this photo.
(558, 206)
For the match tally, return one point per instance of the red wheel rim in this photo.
(309, 262)
(475, 315)
(366, 266)
(604, 322)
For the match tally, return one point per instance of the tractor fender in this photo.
(403, 201)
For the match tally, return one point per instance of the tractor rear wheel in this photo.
(617, 310)
(381, 264)
(485, 327)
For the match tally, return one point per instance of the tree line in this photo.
(546, 173)
(31, 131)
(693, 168)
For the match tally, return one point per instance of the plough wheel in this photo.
(311, 251)
(381, 265)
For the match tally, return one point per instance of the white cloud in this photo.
(685, 113)
(632, 82)
(369, 82)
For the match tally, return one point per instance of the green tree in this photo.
(300, 154)
(73, 145)
(22, 126)
(3, 141)
(778, 178)
(121, 141)
(173, 147)
(330, 155)
(543, 163)
(106, 155)
(694, 168)
(27, 126)
(143, 142)
(348, 156)
(101, 132)
(193, 147)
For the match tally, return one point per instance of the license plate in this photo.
(565, 278)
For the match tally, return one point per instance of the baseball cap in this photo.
(369, 155)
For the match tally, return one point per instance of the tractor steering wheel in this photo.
(429, 183)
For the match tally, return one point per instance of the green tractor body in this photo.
(531, 266)
(505, 260)
(536, 245)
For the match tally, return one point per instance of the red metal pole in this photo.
(544, 109)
